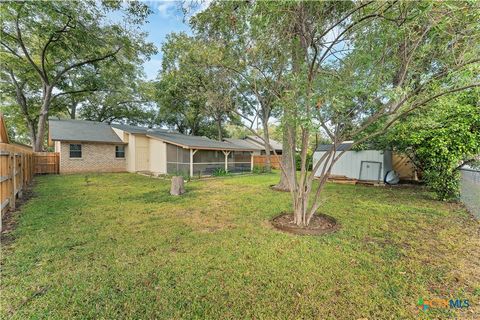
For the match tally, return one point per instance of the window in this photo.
(119, 151)
(75, 151)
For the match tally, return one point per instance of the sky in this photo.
(167, 17)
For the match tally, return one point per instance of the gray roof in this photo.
(81, 130)
(340, 147)
(273, 143)
(242, 143)
(136, 129)
(196, 141)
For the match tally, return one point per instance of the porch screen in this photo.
(239, 161)
(178, 160)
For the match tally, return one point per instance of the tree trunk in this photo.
(177, 187)
(266, 138)
(42, 119)
(288, 158)
(219, 129)
(73, 110)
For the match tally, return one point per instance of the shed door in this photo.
(141, 158)
(370, 170)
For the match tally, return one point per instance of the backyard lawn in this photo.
(118, 246)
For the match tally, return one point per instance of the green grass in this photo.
(119, 246)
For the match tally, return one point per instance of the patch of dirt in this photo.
(320, 224)
(10, 218)
(275, 188)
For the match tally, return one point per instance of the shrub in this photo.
(259, 169)
(298, 160)
(220, 172)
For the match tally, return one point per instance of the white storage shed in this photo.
(367, 165)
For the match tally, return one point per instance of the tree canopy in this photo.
(53, 49)
(353, 68)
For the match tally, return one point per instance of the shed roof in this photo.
(340, 147)
(82, 130)
(196, 141)
(273, 143)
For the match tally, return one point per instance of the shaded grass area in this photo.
(119, 246)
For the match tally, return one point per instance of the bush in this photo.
(259, 169)
(220, 172)
(445, 183)
(298, 160)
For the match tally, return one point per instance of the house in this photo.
(367, 165)
(88, 146)
(258, 144)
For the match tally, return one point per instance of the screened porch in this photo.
(204, 162)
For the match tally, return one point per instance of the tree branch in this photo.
(82, 63)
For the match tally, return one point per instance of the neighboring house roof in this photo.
(242, 143)
(340, 147)
(81, 130)
(274, 144)
(196, 141)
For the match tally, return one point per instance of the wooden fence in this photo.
(16, 172)
(261, 160)
(46, 162)
(404, 167)
(18, 164)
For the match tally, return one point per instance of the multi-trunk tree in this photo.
(44, 43)
(355, 69)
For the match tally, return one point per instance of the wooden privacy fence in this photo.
(16, 172)
(18, 164)
(404, 167)
(46, 162)
(261, 160)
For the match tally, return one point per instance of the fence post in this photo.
(12, 179)
(20, 178)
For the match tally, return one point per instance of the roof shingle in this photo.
(81, 130)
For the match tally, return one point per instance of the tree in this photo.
(193, 95)
(43, 43)
(359, 67)
(253, 71)
(440, 139)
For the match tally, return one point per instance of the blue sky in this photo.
(167, 17)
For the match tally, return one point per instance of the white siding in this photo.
(158, 156)
(350, 162)
(142, 153)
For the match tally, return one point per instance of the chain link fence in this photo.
(470, 190)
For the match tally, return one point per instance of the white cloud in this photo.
(168, 8)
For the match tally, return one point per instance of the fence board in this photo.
(261, 160)
(46, 162)
(404, 167)
(16, 170)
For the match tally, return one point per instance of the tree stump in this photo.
(177, 187)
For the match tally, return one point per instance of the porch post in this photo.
(251, 161)
(191, 163)
(226, 153)
(192, 153)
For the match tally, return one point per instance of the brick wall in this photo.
(96, 157)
